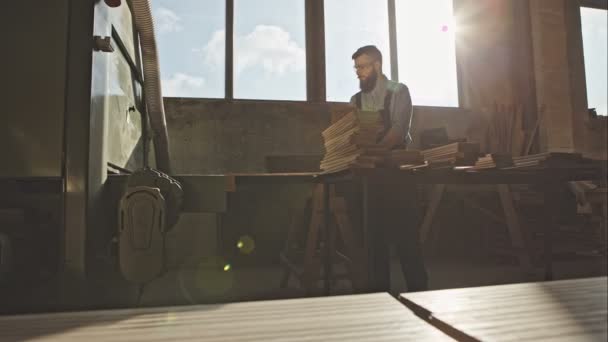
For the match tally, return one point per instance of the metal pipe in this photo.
(152, 89)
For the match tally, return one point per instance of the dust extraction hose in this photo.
(152, 88)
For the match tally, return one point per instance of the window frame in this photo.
(314, 28)
(595, 4)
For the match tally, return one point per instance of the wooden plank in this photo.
(368, 317)
(573, 310)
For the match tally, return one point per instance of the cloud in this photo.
(215, 50)
(182, 85)
(268, 47)
(167, 21)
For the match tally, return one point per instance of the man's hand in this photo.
(392, 139)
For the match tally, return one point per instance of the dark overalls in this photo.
(394, 217)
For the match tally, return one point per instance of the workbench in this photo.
(547, 180)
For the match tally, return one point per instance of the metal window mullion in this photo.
(229, 78)
(315, 51)
(392, 36)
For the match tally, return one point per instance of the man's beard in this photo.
(368, 85)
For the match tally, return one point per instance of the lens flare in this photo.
(246, 244)
(209, 278)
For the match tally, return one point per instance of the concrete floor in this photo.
(209, 283)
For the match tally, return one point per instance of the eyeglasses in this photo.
(362, 66)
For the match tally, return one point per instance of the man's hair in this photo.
(370, 50)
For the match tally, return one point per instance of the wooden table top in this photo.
(464, 176)
(566, 310)
(368, 317)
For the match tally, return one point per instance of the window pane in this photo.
(191, 44)
(349, 25)
(595, 41)
(427, 54)
(269, 50)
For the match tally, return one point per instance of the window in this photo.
(191, 44)
(427, 54)
(350, 24)
(269, 50)
(595, 41)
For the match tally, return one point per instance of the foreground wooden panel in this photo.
(566, 310)
(369, 317)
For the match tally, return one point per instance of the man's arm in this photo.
(401, 115)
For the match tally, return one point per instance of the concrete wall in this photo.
(484, 48)
(33, 99)
(217, 136)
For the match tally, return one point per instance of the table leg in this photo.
(516, 234)
(367, 243)
(326, 240)
(429, 216)
(548, 227)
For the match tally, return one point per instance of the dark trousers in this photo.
(394, 218)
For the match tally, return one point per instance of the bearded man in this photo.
(394, 215)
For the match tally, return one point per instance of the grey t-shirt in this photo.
(401, 104)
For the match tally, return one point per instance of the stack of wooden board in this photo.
(351, 142)
(494, 161)
(397, 158)
(459, 154)
(551, 160)
(424, 165)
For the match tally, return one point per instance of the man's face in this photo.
(367, 72)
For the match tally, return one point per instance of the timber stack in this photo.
(455, 154)
(351, 142)
(551, 160)
(494, 161)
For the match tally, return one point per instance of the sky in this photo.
(595, 44)
(269, 47)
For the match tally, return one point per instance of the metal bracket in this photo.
(103, 44)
